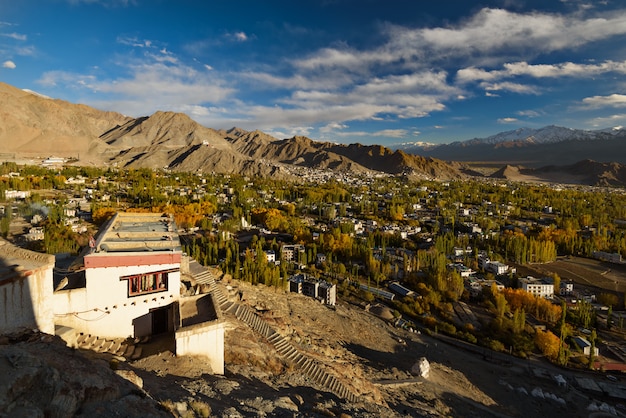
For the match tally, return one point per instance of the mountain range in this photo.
(35, 127)
(550, 145)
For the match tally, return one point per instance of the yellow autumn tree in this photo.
(548, 344)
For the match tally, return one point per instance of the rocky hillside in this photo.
(585, 172)
(41, 377)
(34, 126)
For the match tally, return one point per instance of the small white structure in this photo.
(270, 256)
(16, 194)
(585, 345)
(494, 267)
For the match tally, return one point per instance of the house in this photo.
(543, 288)
(400, 290)
(460, 268)
(585, 345)
(128, 284)
(270, 256)
(494, 267)
(566, 288)
(316, 288)
(26, 283)
(290, 252)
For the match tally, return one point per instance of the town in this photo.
(479, 261)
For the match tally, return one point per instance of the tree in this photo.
(592, 350)
(563, 354)
(548, 343)
(557, 282)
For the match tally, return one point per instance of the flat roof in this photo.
(139, 232)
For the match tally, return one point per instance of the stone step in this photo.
(88, 342)
(105, 346)
(121, 349)
(136, 353)
(130, 349)
(80, 340)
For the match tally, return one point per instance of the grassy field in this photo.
(587, 274)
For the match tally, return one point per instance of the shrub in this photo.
(201, 409)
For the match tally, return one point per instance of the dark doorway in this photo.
(160, 320)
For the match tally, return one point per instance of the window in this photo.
(140, 284)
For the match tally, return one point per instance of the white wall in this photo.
(206, 339)
(104, 309)
(27, 302)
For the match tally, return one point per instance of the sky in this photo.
(346, 71)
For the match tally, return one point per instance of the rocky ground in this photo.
(372, 358)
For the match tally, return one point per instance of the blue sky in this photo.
(347, 71)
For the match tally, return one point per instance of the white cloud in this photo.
(611, 120)
(16, 36)
(157, 82)
(613, 100)
(9, 64)
(529, 113)
(511, 87)
(391, 133)
(515, 69)
(486, 37)
(507, 120)
(135, 42)
(333, 126)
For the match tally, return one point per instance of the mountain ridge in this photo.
(36, 127)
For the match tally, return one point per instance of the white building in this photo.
(463, 270)
(129, 285)
(270, 256)
(539, 287)
(494, 267)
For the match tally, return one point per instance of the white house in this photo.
(539, 287)
(129, 285)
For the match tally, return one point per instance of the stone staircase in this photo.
(310, 367)
(118, 346)
(201, 275)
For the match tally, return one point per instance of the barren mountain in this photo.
(37, 127)
(586, 172)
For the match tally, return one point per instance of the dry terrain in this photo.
(373, 358)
